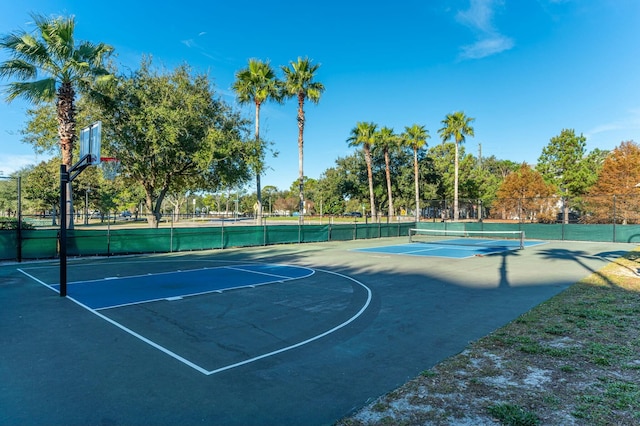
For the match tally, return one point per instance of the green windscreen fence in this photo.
(8, 244)
(43, 243)
(556, 231)
(39, 244)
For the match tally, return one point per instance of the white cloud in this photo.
(486, 47)
(629, 124)
(479, 18)
(188, 43)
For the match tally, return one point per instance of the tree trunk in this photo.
(65, 111)
(389, 192)
(416, 177)
(300, 154)
(258, 168)
(455, 186)
(153, 219)
(367, 159)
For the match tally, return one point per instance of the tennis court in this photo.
(288, 334)
(456, 244)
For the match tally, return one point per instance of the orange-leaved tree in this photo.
(524, 195)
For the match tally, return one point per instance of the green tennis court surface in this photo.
(290, 334)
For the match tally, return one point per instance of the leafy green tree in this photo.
(386, 139)
(415, 137)
(269, 192)
(172, 135)
(257, 83)
(364, 134)
(51, 52)
(594, 161)
(456, 126)
(9, 194)
(562, 163)
(42, 186)
(443, 157)
(41, 129)
(299, 83)
(489, 174)
(332, 190)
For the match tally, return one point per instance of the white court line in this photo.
(279, 279)
(237, 364)
(238, 268)
(127, 330)
(312, 339)
(241, 269)
(200, 293)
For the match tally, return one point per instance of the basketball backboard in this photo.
(90, 140)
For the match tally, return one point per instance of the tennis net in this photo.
(476, 238)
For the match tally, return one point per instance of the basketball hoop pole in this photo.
(67, 176)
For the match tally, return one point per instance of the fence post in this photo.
(19, 229)
(614, 218)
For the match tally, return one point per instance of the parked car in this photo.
(126, 214)
(573, 217)
(353, 214)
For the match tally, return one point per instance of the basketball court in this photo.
(289, 334)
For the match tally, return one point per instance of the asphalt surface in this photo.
(306, 351)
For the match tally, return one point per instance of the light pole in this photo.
(86, 205)
(236, 212)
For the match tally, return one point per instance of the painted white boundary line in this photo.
(304, 342)
(180, 271)
(127, 330)
(238, 364)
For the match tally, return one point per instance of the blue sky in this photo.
(524, 69)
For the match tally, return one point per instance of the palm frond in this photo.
(18, 68)
(34, 91)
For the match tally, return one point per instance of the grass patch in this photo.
(513, 415)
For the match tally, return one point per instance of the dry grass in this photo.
(573, 360)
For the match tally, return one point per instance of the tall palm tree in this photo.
(386, 139)
(416, 137)
(49, 66)
(364, 134)
(257, 83)
(298, 82)
(456, 126)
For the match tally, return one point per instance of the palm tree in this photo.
(298, 82)
(257, 83)
(456, 126)
(415, 137)
(49, 67)
(385, 139)
(364, 134)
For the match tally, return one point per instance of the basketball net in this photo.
(110, 167)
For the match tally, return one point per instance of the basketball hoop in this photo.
(110, 167)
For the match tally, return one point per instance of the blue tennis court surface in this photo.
(120, 291)
(453, 248)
